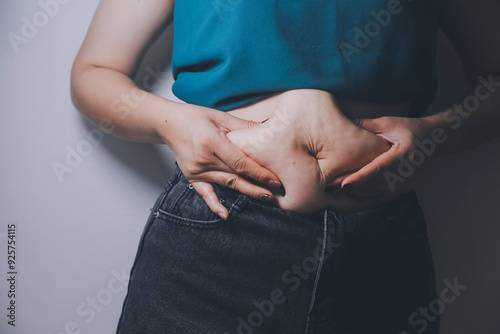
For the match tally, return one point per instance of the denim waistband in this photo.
(404, 205)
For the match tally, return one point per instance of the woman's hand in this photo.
(396, 171)
(310, 144)
(197, 136)
(339, 145)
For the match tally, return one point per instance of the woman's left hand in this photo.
(397, 170)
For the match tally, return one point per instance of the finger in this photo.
(369, 124)
(335, 185)
(206, 191)
(239, 183)
(235, 158)
(374, 167)
(368, 187)
(232, 123)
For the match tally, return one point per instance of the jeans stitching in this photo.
(320, 266)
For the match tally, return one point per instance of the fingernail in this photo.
(281, 191)
(267, 198)
(274, 183)
(222, 215)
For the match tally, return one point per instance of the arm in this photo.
(101, 88)
(472, 28)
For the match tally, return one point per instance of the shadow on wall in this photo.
(460, 194)
(152, 162)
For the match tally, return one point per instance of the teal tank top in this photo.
(228, 53)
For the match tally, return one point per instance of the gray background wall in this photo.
(77, 235)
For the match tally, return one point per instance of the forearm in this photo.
(471, 121)
(111, 100)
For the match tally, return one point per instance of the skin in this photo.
(101, 85)
(209, 145)
(312, 146)
(472, 28)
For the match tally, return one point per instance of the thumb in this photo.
(236, 123)
(377, 165)
(369, 124)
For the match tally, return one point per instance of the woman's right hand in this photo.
(102, 89)
(197, 136)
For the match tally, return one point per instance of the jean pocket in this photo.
(183, 205)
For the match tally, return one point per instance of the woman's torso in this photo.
(299, 172)
(228, 54)
(376, 56)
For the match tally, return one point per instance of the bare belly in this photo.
(304, 156)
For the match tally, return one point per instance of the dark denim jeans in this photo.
(267, 270)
